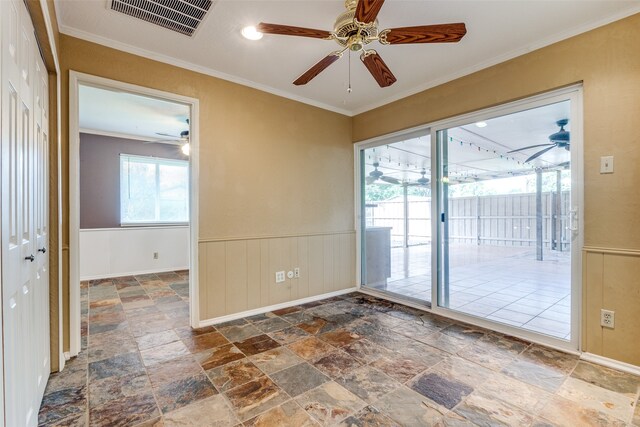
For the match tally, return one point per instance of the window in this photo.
(153, 190)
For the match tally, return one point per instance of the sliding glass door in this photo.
(493, 236)
(508, 219)
(396, 217)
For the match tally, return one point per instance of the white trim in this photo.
(75, 79)
(58, 230)
(124, 47)
(136, 227)
(253, 312)
(49, 26)
(357, 194)
(105, 41)
(611, 363)
(134, 273)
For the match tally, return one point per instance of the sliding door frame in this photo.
(358, 147)
(573, 93)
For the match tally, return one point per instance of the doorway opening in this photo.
(133, 219)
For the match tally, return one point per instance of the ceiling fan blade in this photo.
(288, 30)
(443, 33)
(530, 146)
(367, 10)
(390, 180)
(317, 69)
(378, 68)
(164, 141)
(539, 153)
(370, 179)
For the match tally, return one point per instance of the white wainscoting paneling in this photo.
(114, 252)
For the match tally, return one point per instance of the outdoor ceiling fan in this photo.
(423, 180)
(358, 27)
(560, 139)
(375, 175)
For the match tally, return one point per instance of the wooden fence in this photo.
(505, 220)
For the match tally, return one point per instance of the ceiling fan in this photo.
(182, 140)
(560, 139)
(358, 27)
(423, 180)
(375, 175)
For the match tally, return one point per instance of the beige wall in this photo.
(607, 61)
(269, 166)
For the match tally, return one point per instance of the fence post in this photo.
(539, 214)
(558, 206)
(478, 220)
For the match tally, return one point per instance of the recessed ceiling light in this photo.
(251, 33)
(481, 124)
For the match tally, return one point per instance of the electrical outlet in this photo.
(290, 274)
(279, 276)
(155, 255)
(607, 318)
(296, 272)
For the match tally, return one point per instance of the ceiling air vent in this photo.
(182, 16)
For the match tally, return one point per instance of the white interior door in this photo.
(41, 224)
(24, 205)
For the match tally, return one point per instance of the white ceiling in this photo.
(112, 112)
(479, 153)
(496, 31)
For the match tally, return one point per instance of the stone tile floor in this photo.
(352, 360)
(501, 283)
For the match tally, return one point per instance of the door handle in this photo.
(30, 258)
(43, 250)
(573, 219)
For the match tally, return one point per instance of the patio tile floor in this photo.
(499, 283)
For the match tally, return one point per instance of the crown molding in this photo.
(105, 41)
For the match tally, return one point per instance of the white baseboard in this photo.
(611, 363)
(240, 315)
(62, 361)
(134, 273)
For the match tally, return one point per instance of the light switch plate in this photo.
(606, 164)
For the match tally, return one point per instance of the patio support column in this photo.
(406, 214)
(478, 220)
(539, 214)
(559, 210)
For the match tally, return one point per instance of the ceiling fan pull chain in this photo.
(349, 88)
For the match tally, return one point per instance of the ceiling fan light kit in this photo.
(357, 27)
